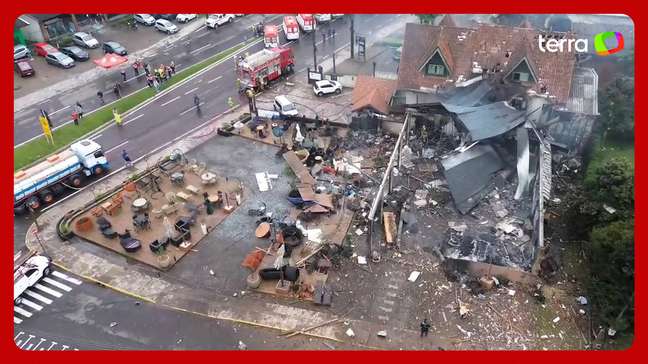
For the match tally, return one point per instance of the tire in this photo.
(338, 91)
(320, 94)
(47, 196)
(18, 301)
(75, 180)
(20, 209)
(230, 20)
(97, 170)
(33, 202)
(47, 271)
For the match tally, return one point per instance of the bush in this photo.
(617, 109)
(613, 184)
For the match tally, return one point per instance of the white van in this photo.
(284, 106)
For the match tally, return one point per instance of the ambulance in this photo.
(306, 22)
(290, 28)
(271, 36)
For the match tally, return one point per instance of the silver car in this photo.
(146, 19)
(165, 26)
(59, 59)
(85, 40)
(21, 51)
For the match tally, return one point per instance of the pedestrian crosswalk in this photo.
(42, 294)
(27, 341)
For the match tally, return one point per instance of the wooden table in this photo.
(183, 196)
(192, 189)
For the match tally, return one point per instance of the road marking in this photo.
(48, 290)
(67, 278)
(385, 309)
(17, 320)
(202, 35)
(96, 136)
(37, 345)
(37, 296)
(59, 110)
(200, 49)
(133, 119)
(199, 29)
(391, 294)
(389, 302)
(170, 101)
(215, 79)
(392, 286)
(190, 91)
(192, 108)
(384, 318)
(22, 311)
(28, 340)
(52, 345)
(57, 284)
(116, 146)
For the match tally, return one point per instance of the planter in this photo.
(130, 187)
(164, 261)
(253, 280)
(83, 224)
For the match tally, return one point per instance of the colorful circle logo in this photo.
(600, 46)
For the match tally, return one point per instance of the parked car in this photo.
(165, 26)
(145, 19)
(284, 106)
(21, 51)
(326, 87)
(114, 47)
(185, 18)
(165, 16)
(323, 18)
(216, 20)
(85, 40)
(43, 49)
(239, 15)
(30, 273)
(59, 59)
(75, 53)
(24, 68)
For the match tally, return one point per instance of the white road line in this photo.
(17, 320)
(59, 110)
(385, 309)
(37, 296)
(200, 49)
(28, 340)
(192, 108)
(96, 137)
(133, 119)
(116, 146)
(202, 35)
(170, 101)
(57, 284)
(48, 290)
(22, 311)
(215, 79)
(190, 91)
(67, 278)
(37, 345)
(199, 29)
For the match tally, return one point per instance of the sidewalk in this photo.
(143, 284)
(61, 81)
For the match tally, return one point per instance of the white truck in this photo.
(216, 20)
(42, 183)
(28, 271)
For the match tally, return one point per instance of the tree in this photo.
(611, 287)
(617, 109)
(511, 20)
(427, 18)
(613, 184)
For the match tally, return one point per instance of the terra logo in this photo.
(581, 45)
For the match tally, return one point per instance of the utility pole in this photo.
(335, 73)
(352, 35)
(314, 49)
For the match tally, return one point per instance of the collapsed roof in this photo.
(487, 121)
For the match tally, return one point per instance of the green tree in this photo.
(617, 109)
(613, 184)
(427, 18)
(611, 286)
(511, 20)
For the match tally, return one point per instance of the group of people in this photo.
(77, 114)
(159, 75)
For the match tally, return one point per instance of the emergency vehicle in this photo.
(271, 36)
(258, 69)
(290, 28)
(306, 22)
(39, 184)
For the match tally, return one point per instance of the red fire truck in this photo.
(257, 70)
(290, 28)
(306, 22)
(271, 36)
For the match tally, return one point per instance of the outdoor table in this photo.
(208, 178)
(177, 177)
(183, 196)
(140, 204)
(212, 198)
(192, 189)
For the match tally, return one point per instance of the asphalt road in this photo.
(72, 314)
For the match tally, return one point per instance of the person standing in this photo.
(168, 71)
(136, 68)
(156, 85)
(118, 119)
(425, 328)
(79, 109)
(126, 158)
(147, 69)
(100, 96)
(123, 73)
(230, 102)
(197, 102)
(75, 117)
(117, 91)
(173, 67)
(149, 80)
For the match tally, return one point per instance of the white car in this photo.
(29, 273)
(322, 18)
(215, 20)
(185, 18)
(165, 26)
(85, 40)
(325, 87)
(146, 19)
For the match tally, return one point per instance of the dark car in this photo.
(24, 68)
(76, 53)
(114, 47)
(165, 16)
(59, 59)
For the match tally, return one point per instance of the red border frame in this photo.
(15, 8)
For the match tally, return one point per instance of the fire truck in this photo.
(41, 183)
(290, 28)
(257, 70)
(271, 36)
(306, 22)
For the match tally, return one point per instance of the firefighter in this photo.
(230, 102)
(238, 84)
(118, 119)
